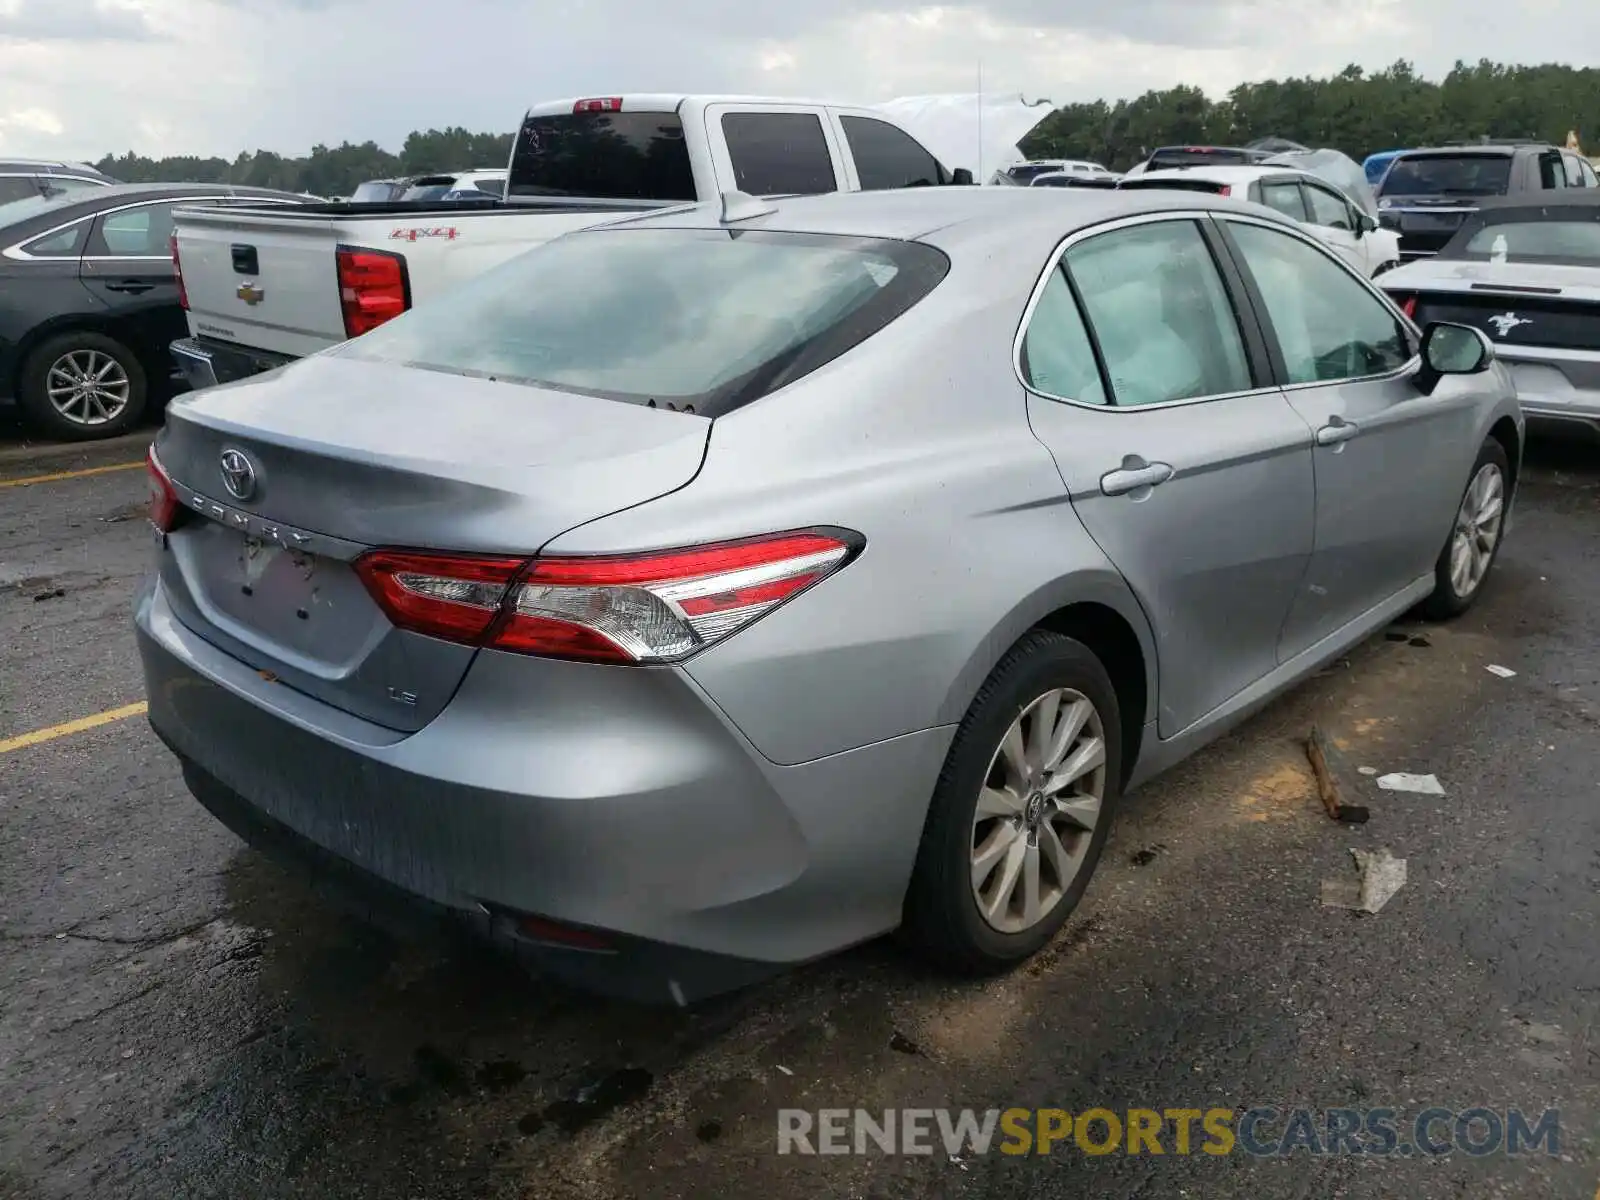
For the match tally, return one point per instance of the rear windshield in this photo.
(1026, 172)
(1531, 240)
(1448, 175)
(1206, 156)
(703, 319)
(1175, 181)
(605, 155)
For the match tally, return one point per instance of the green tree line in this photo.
(1353, 111)
(326, 171)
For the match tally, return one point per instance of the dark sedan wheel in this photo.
(81, 386)
(1021, 810)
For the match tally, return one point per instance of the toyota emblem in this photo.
(238, 474)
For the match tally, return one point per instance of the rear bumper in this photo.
(631, 806)
(205, 363)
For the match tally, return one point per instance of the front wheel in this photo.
(1021, 810)
(1474, 543)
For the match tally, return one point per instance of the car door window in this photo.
(1574, 173)
(1551, 173)
(63, 243)
(1057, 356)
(56, 185)
(1327, 209)
(1284, 195)
(1328, 325)
(1159, 311)
(778, 154)
(142, 232)
(888, 157)
(1587, 171)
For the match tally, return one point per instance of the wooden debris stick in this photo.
(1320, 751)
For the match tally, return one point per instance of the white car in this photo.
(1322, 208)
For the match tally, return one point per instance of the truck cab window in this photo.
(779, 154)
(888, 157)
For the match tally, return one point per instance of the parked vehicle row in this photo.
(89, 302)
(703, 592)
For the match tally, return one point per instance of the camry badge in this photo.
(250, 293)
(238, 474)
(1506, 322)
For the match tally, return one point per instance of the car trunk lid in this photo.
(291, 476)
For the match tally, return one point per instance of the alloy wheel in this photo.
(88, 387)
(1477, 529)
(1038, 809)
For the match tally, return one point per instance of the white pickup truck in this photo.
(265, 287)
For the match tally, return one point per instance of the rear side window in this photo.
(1589, 177)
(1160, 314)
(63, 243)
(143, 232)
(1285, 198)
(1448, 175)
(17, 187)
(779, 154)
(889, 157)
(1057, 357)
(604, 155)
(703, 319)
(1551, 173)
(371, 193)
(1574, 172)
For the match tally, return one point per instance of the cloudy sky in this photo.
(82, 77)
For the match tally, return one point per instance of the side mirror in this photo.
(961, 177)
(1449, 349)
(1365, 224)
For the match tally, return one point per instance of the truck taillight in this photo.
(374, 287)
(1227, 190)
(1408, 305)
(177, 273)
(631, 609)
(599, 104)
(164, 507)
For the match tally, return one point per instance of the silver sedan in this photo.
(700, 594)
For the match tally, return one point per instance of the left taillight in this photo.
(631, 609)
(164, 507)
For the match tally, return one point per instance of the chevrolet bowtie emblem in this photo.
(250, 293)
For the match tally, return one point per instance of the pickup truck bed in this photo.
(263, 286)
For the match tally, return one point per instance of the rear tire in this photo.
(82, 386)
(1041, 746)
(1475, 536)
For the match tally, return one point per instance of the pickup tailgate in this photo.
(263, 279)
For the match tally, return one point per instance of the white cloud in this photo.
(220, 76)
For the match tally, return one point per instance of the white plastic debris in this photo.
(1379, 876)
(1503, 672)
(1368, 770)
(1400, 781)
(785, 1070)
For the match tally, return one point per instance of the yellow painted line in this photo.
(86, 471)
(23, 740)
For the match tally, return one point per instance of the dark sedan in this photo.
(89, 301)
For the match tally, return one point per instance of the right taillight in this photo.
(630, 609)
(164, 507)
(374, 287)
(177, 273)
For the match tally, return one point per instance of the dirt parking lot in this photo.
(179, 1018)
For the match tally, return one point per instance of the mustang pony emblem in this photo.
(1506, 322)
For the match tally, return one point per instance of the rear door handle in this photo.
(1133, 475)
(129, 285)
(1337, 430)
